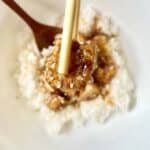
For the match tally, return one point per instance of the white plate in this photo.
(20, 128)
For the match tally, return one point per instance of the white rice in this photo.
(122, 87)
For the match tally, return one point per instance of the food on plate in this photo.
(98, 83)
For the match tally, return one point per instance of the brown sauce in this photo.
(91, 69)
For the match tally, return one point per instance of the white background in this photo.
(20, 128)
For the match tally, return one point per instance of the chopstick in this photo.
(69, 32)
(76, 20)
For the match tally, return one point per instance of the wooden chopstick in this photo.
(65, 53)
(76, 20)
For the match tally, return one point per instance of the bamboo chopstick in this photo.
(64, 57)
(76, 20)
